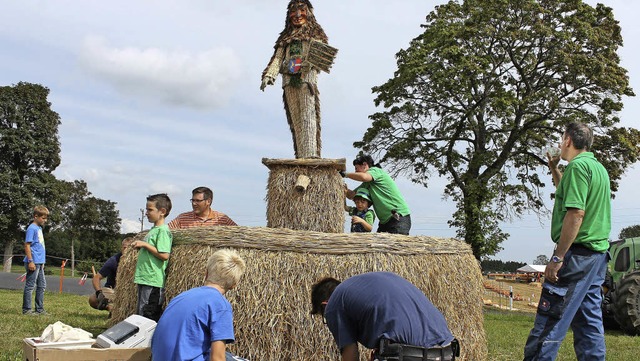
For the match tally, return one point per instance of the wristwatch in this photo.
(556, 259)
(29, 261)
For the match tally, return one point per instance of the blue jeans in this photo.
(150, 301)
(35, 279)
(574, 301)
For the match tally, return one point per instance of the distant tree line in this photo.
(496, 265)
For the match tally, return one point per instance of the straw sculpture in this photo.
(272, 302)
(317, 207)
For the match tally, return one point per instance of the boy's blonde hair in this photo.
(126, 242)
(39, 211)
(224, 268)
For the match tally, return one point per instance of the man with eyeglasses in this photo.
(202, 214)
(397, 321)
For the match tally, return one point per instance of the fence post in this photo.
(62, 274)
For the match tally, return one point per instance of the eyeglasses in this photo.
(197, 200)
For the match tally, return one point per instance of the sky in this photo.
(163, 96)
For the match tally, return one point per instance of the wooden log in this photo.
(302, 183)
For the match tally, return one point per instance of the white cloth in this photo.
(60, 332)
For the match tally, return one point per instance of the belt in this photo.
(582, 250)
(390, 351)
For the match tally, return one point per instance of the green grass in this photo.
(506, 331)
(70, 309)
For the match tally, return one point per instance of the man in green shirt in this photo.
(580, 227)
(388, 203)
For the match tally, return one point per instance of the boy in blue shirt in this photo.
(362, 217)
(153, 257)
(34, 262)
(198, 323)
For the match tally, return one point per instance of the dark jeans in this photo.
(400, 226)
(574, 301)
(35, 279)
(150, 300)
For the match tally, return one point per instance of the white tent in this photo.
(532, 268)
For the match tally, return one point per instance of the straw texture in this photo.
(318, 208)
(272, 302)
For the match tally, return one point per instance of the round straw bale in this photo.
(271, 304)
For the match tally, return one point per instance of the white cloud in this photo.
(130, 226)
(158, 187)
(202, 80)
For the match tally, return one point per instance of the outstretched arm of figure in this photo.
(267, 80)
(271, 72)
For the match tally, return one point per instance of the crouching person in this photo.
(198, 323)
(385, 313)
(105, 295)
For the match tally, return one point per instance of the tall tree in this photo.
(484, 88)
(630, 232)
(29, 149)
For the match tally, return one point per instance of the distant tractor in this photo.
(622, 286)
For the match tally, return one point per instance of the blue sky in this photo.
(163, 96)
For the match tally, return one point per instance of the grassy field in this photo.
(506, 331)
(70, 309)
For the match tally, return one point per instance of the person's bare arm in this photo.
(556, 174)
(218, 350)
(367, 227)
(95, 281)
(27, 252)
(153, 250)
(359, 176)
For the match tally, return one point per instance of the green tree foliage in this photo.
(30, 152)
(29, 149)
(541, 260)
(630, 232)
(91, 224)
(484, 88)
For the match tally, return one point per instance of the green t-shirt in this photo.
(385, 195)
(585, 185)
(150, 271)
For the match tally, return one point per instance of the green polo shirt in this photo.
(385, 195)
(585, 185)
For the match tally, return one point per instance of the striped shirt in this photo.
(190, 219)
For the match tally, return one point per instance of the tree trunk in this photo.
(8, 256)
(473, 228)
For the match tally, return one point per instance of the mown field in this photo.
(506, 331)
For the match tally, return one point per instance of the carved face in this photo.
(298, 14)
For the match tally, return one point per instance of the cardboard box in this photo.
(80, 351)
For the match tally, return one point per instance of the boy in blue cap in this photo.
(362, 217)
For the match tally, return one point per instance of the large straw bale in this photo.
(319, 207)
(272, 302)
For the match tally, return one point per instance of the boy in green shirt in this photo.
(362, 217)
(153, 257)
